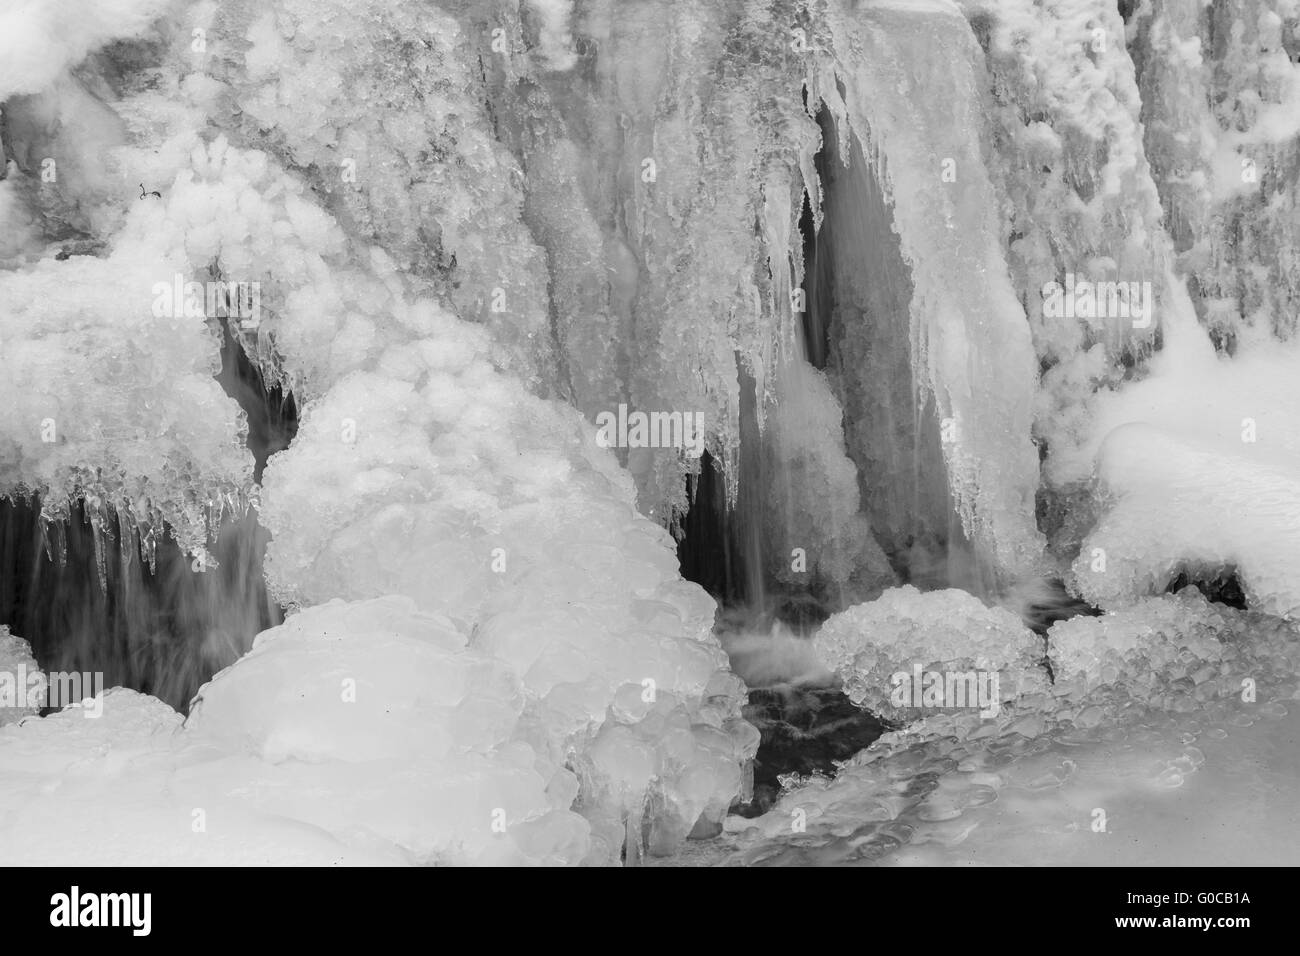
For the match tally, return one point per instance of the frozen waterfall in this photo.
(594, 431)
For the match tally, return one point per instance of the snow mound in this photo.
(1183, 506)
(906, 632)
(1199, 471)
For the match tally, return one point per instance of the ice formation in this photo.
(348, 699)
(970, 346)
(101, 396)
(1219, 93)
(1153, 468)
(813, 494)
(18, 675)
(907, 632)
(171, 799)
(624, 668)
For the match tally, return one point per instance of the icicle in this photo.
(54, 536)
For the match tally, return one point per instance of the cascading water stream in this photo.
(849, 346)
(91, 598)
(859, 292)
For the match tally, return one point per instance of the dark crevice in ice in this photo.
(705, 552)
(1221, 587)
(271, 411)
(817, 276)
(859, 300)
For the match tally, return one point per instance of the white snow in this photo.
(1199, 470)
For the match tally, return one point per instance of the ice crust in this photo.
(939, 631)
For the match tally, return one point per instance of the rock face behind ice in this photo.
(945, 632)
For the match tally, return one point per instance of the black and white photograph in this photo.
(676, 434)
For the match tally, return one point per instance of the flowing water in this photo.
(90, 596)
